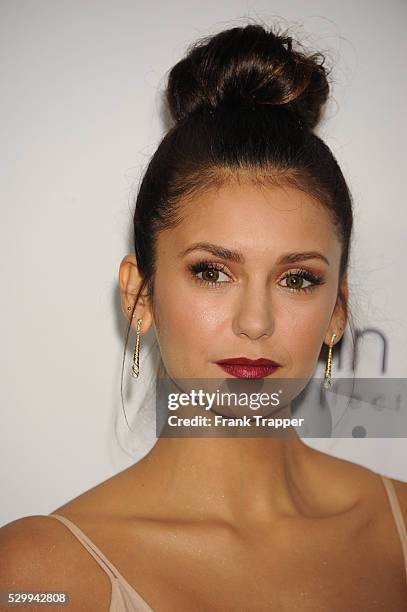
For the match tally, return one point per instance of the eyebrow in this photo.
(237, 256)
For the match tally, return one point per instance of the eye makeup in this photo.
(206, 267)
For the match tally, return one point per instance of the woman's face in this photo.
(257, 303)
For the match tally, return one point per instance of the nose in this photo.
(253, 317)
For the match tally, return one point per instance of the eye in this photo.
(295, 281)
(211, 272)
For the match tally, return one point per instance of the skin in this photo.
(235, 523)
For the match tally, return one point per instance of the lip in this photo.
(250, 362)
(242, 367)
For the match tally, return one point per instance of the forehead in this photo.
(256, 219)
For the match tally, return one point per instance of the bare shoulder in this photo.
(381, 501)
(361, 481)
(38, 553)
(400, 488)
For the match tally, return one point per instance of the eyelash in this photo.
(202, 266)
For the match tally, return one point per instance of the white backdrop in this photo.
(81, 82)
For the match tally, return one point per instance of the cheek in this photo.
(186, 321)
(307, 329)
(194, 321)
(187, 309)
(308, 333)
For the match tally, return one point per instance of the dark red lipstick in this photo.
(243, 367)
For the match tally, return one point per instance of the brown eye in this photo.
(294, 281)
(210, 275)
(207, 274)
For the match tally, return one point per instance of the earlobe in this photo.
(334, 335)
(144, 318)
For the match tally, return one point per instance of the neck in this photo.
(236, 480)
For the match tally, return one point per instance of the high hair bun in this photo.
(248, 66)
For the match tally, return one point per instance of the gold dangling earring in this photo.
(136, 355)
(328, 369)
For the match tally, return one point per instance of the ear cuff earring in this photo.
(136, 355)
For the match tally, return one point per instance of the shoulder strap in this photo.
(115, 576)
(398, 517)
(96, 553)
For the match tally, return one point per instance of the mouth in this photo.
(242, 367)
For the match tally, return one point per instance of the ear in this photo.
(130, 281)
(340, 314)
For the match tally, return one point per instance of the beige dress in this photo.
(125, 598)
